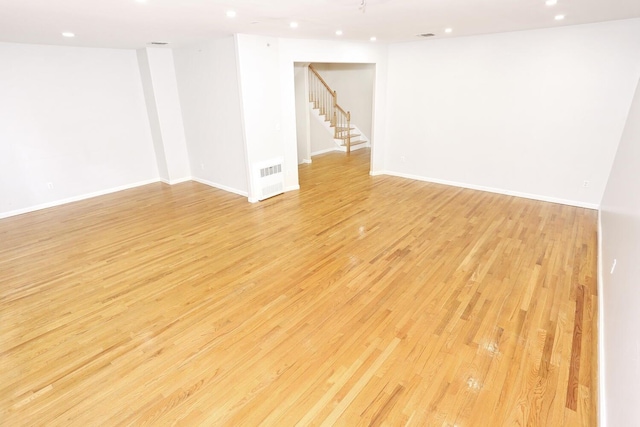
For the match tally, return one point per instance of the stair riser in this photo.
(341, 140)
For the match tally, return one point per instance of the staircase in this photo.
(324, 100)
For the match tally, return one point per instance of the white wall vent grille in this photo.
(270, 170)
(268, 178)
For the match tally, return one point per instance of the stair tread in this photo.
(355, 143)
(343, 132)
(353, 135)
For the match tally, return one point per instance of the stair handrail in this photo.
(325, 99)
(320, 93)
(324, 83)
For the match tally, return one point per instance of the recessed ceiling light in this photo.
(373, 38)
(551, 2)
(294, 24)
(68, 34)
(448, 30)
(231, 13)
(339, 33)
(559, 17)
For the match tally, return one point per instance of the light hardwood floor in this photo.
(356, 301)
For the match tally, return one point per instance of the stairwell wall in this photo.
(321, 138)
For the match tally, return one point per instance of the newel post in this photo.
(348, 132)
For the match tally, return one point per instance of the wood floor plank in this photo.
(357, 300)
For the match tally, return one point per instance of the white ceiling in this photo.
(135, 23)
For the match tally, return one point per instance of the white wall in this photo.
(152, 114)
(267, 87)
(209, 91)
(73, 117)
(321, 137)
(169, 113)
(303, 136)
(354, 86)
(620, 240)
(260, 99)
(531, 113)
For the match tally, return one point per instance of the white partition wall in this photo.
(260, 94)
(207, 75)
(619, 281)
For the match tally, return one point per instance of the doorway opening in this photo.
(316, 133)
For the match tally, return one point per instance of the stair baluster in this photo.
(326, 101)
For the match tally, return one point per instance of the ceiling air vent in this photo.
(159, 43)
(426, 35)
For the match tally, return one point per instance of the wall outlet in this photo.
(202, 166)
(403, 159)
(50, 185)
(585, 184)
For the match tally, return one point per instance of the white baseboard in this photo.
(343, 148)
(492, 190)
(306, 161)
(120, 188)
(176, 181)
(340, 149)
(602, 402)
(287, 189)
(326, 150)
(180, 180)
(219, 186)
(76, 198)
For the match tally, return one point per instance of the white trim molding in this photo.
(542, 198)
(326, 150)
(220, 186)
(121, 188)
(76, 198)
